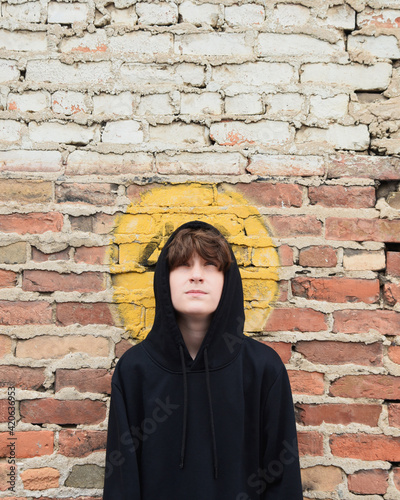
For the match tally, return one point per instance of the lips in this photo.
(196, 292)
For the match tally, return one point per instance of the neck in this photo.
(193, 332)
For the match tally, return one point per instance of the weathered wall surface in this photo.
(279, 121)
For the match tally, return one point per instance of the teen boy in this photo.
(199, 411)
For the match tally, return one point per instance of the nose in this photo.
(197, 273)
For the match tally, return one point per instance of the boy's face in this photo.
(196, 287)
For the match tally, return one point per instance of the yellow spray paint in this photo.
(142, 231)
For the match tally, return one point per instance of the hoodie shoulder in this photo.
(262, 357)
(130, 362)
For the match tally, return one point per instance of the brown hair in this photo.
(209, 244)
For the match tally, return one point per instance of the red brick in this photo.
(34, 223)
(28, 444)
(391, 293)
(366, 386)
(358, 321)
(302, 320)
(93, 255)
(51, 281)
(272, 195)
(342, 196)
(310, 443)
(306, 382)
(8, 279)
(318, 256)
(393, 263)
(366, 446)
(394, 414)
(338, 353)
(363, 229)
(343, 414)
(282, 348)
(84, 380)
(39, 256)
(396, 477)
(69, 313)
(295, 225)
(40, 479)
(77, 443)
(25, 313)
(22, 377)
(94, 194)
(99, 223)
(122, 347)
(55, 411)
(368, 482)
(394, 353)
(285, 253)
(371, 167)
(283, 291)
(337, 289)
(5, 470)
(4, 410)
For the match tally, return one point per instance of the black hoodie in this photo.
(219, 427)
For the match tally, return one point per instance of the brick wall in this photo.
(279, 122)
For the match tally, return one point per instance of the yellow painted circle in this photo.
(142, 231)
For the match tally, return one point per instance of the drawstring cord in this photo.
(185, 410)
(211, 414)
(185, 405)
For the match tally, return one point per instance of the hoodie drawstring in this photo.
(185, 407)
(185, 410)
(211, 414)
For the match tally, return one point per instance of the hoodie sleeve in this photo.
(121, 480)
(281, 468)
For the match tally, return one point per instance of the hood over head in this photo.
(225, 334)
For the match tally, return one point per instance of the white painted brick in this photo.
(89, 162)
(89, 43)
(53, 71)
(28, 101)
(354, 137)
(68, 133)
(353, 76)
(121, 104)
(69, 103)
(385, 18)
(341, 17)
(276, 45)
(23, 41)
(28, 12)
(291, 15)
(67, 13)
(244, 104)
(203, 14)
(180, 134)
(155, 104)
(123, 132)
(261, 164)
(126, 17)
(18, 160)
(264, 132)
(142, 43)
(11, 130)
(284, 105)
(157, 13)
(253, 74)
(330, 108)
(162, 74)
(201, 163)
(8, 70)
(245, 15)
(214, 44)
(381, 46)
(209, 103)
